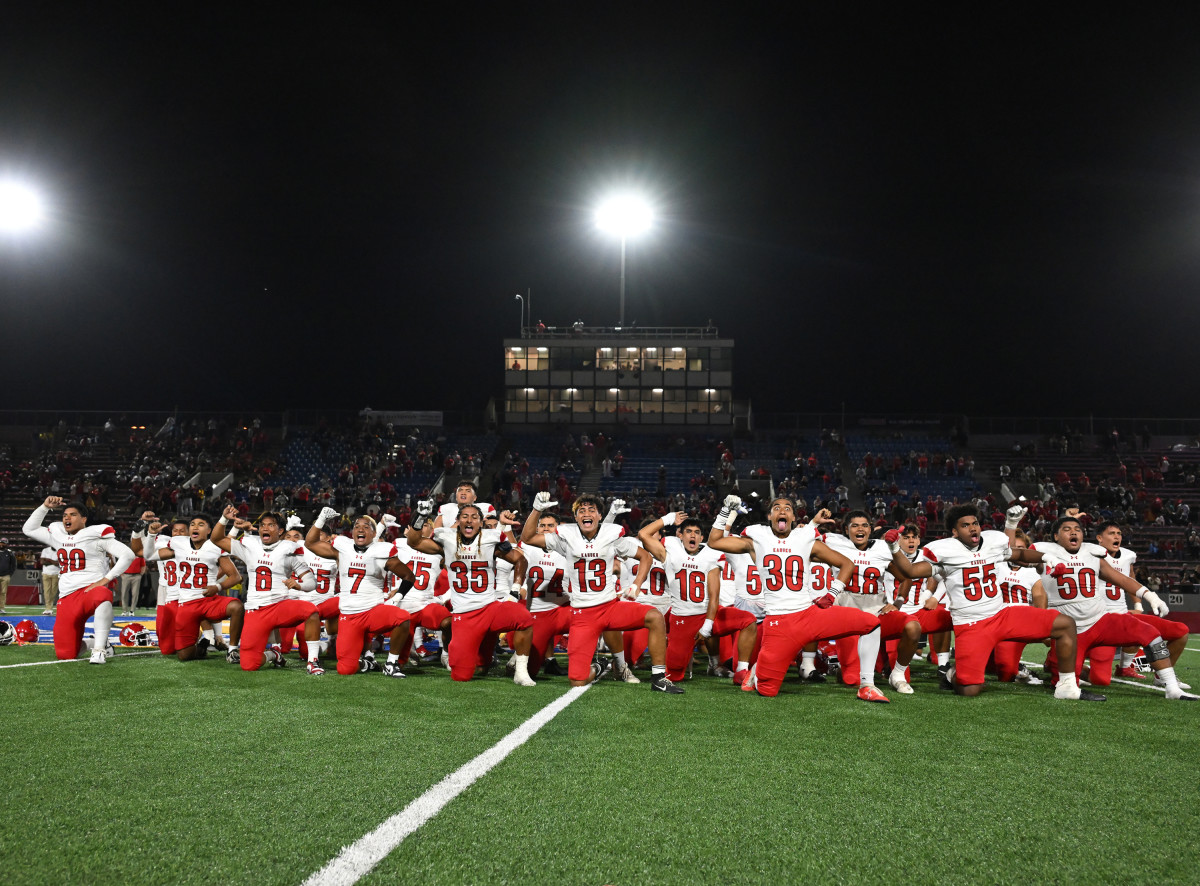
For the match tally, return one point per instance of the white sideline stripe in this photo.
(355, 861)
(31, 664)
(1139, 684)
(1190, 649)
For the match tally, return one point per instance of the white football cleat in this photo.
(1162, 684)
(896, 681)
(624, 675)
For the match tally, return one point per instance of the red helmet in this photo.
(27, 632)
(135, 634)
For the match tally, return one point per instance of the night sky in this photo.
(961, 213)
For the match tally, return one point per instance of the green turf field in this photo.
(150, 771)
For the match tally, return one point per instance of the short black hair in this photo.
(1060, 522)
(1104, 524)
(184, 521)
(207, 519)
(84, 510)
(858, 512)
(544, 515)
(690, 521)
(910, 529)
(956, 513)
(277, 518)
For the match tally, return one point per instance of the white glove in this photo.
(1157, 606)
(388, 520)
(425, 507)
(706, 628)
(293, 522)
(616, 509)
(668, 518)
(325, 515)
(731, 503)
(542, 501)
(1014, 515)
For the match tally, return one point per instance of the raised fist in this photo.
(824, 601)
(323, 517)
(731, 503)
(892, 536)
(293, 522)
(52, 502)
(1014, 515)
(425, 507)
(542, 501)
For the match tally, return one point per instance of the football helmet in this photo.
(27, 632)
(7, 633)
(135, 634)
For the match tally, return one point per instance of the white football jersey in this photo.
(654, 588)
(592, 561)
(1075, 592)
(360, 574)
(687, 576)
(325, 571)
(83, 558)
(546, 580)
(1114, 597)
(471, 566)
(267, 568)
(504, 579)
(969, 576)
(425, 568)
(783, 567)
(918, 592)
(48, 554)
(866, 587)
(168, 572)
(1016, 584)
(195, 568)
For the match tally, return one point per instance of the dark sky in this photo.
(956, 213)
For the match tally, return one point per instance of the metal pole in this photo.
(521, 311)
(621, 317)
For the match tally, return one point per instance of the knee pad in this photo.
(1157, 651)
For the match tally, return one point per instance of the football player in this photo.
(427, 614)
(83, 552)
(549, 601)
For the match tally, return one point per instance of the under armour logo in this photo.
(774, 624)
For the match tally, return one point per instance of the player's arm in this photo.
(302, 577)
(729, 544)
(1038, 594)
(1026, 557)
(33, 527)
(529, 533)
(413, 534)
(843, 564)
(312, 538)
(1131, 586)
(402, 571)
(122, 556)
(513, 556)
(218, 536)
(519, 571)
(714, 595)
(648, 535)
(1012, 520)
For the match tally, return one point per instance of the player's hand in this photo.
(291, 584)
(706, 629)
(212, 590)
(244, 525)
(230, 513)
(631, 593)
(1073, 512)
(930, 603)
(824, 602)
(892, 538)
(148, 516)
(508, 518)
(542, 501)
(327, 514)
(293, 522)
(388, 520)
(888, 607)
(154, 528)
(731, 503)
(52, 502)
(617, 508)
(425, 507)
(1156, 604)
(823, 516)
(1014, 515)
(674, 518)
(1057, 570)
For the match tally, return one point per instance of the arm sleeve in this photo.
(34, 529)
(122, 553)
(308, 581)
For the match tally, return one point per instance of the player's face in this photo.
(909, 543)
(858, 531)
(1070, 536)
(692, 538)
(470, 522)
(293, 535)
(967, 531)
(464, 495)
(1018, 544)
(491, 522)
(72, 520)
(199, 530)
(1110, 538)
(269, 532)
(782, 517)
(588, 517)
(363, 532)
(546, 525)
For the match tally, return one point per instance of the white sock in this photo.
(713, 661)
(270, 656)
(207, 635)
(808, 662)
(618, 659)
(103, 619)
(1126, 658)
(1168, 678)
(943, 658)
(418, 637)
(393, 658)
(658, 670)
(1066, 680)
(900, 671)
(868, 653)
(743, 665)
(314, 649)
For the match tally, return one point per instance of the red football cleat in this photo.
(740, 677)
(1131, 673)
(870, 693)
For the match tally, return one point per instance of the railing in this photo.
(608, 332)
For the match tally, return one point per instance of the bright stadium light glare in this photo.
(624, 216)
(20, 207)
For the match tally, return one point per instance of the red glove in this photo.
(824, 602)
(1058, 570)
(892, 536)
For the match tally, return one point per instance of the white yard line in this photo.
(30, 664)
(1190, 649)
(355, 861)
(1148, 683)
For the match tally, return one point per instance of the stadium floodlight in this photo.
(624, 216)
(20, 207)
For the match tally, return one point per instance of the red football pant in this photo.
(189, 615)
(681, 642)
(933, 621)
(356, 629)
(891, 626)
(164, 626)
(635, 643)
(974, 643)
(475, 634)
(589, 622)
(429, 617)
(259, 624)
(1113, 630)
(72, 615)
(783, 636)
(547, 625)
